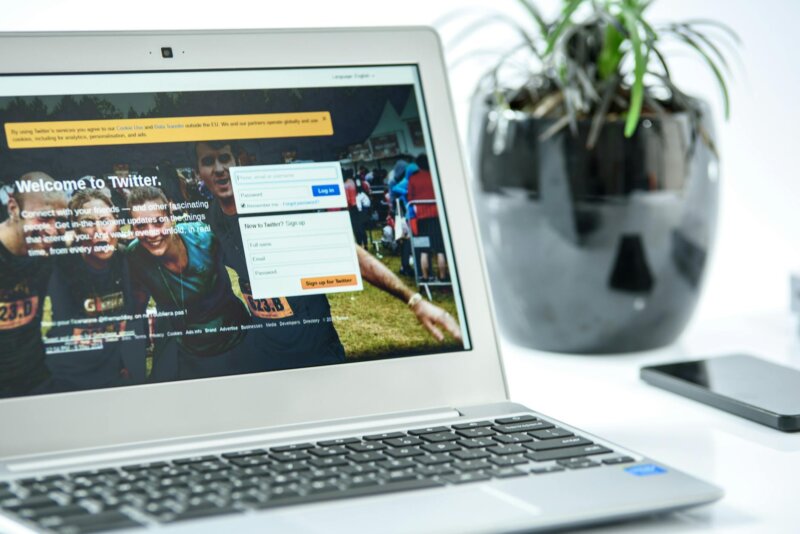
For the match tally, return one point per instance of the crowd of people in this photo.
(107, 260)
(411, 212)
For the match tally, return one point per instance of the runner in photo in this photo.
(33, 227)
(180, 266)
(95, 341)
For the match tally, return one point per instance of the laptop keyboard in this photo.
(257, 479)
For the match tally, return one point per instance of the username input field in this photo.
(289, 187)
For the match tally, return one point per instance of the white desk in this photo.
(758, 467)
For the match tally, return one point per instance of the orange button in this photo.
(320, 282)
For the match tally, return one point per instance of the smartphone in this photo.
(741, 384)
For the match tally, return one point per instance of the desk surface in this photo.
(758, 467)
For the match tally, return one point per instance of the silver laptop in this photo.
(241, 289)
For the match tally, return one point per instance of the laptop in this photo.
(241, 289)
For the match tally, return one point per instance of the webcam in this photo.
(166, 52)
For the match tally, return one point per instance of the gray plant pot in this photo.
(593, 251)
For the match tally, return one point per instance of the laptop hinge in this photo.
(243, 439)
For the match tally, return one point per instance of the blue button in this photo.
(645, 470)
(325, 190)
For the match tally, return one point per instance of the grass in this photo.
(372, 323)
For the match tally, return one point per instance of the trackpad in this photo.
(473, 508)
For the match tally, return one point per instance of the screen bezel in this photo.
(152, 412)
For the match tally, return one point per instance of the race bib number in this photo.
(275, 308)
(18, 313)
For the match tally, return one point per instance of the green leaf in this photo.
(566, 14)
(640, 66)
(611, 53)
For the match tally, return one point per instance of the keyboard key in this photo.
(243, 454)
(290, 456)
(144, 467)
(394, 476)
(392, 465)
(194, 460)
(558, 443)
(37, 514)
(473, 424)
(434, 459)
(41, 501)
(250, 461)
(360, 469)
(202, 510)
(435, 470)
(365, 447)
(406, 441)
(428, 430)
(547, 469)
(34, 480)
(331, 461)
(551, 433)
(477, 443)
(281, 494)
(506, 472)
(527, 426)
(320, 486)
(440, 437)
(286, 478)
(515, 419)
(440, 447)
(361, 481)
(507, 461)
(211, 466)
(337, 450)
(509, 439)
(286, 467)
(618, 460)
(293, 447)
(405, 452)
(471, 465)
(503, 450)
(476, 432)
(370, 456)
(571, 452)
(97, 522)
(470, 454)
(578, 463)
(323, 473)
(383, 436)
(338, 441)
(462, 478)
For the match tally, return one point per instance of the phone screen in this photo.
(744, 378)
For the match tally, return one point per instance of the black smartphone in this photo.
(741, 384)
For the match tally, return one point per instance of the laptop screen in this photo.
(163, 226)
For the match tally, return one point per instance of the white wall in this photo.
(759, 228)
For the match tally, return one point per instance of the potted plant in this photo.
(596, 178)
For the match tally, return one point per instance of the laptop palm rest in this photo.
(473, 508)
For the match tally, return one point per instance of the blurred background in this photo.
(759, 223)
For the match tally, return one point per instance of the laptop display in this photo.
(184, 225)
